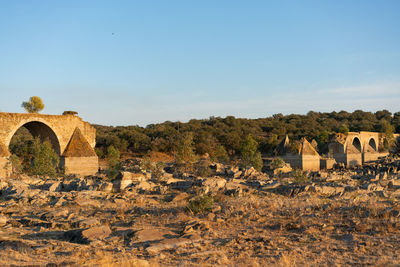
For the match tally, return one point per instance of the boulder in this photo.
(56, 187)
(272, 185)
(3, 220)
(179, 184)
(286, 168)
(85, 236)
(107, 187)
(152, 234)
(329, 190)
(144, 186)
(172, 243)
(97, 232)
(213, 184)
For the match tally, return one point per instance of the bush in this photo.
(113, 162)
(221, 155)
(156, 168)
(201, 204)
(70, 112)
(203, 171)
(185, 149)
(99, 152)
(300, 177)
(277, 163)
(45, 160)
(16, 164)
(250, 156)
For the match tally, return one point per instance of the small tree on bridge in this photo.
(34, 105)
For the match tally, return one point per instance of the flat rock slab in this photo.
(3, 220)
(15, 245)
(98, 232)
(85, 236)
(172, 243)
(153, 235)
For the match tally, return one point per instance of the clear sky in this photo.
(140, 62)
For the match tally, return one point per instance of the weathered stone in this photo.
(272, 185)
(172, 243)
(126, 179)
(144, 186)
(234, 188)
(3, 220)
(181, 184)
(59, 129)
(153, 234)
(98, 232)
(88, 222)
(213, 184)
(219, 168)
(107, 187)
(334, 177)
(56, 187)
(180, 197)
(286, 168)
(329, 190)
(323, 174)
(85, 236)
(250, 172)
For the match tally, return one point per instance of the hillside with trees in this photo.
(222, 138)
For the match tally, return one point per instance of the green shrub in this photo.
(185, 149)
(221, 155)
(204, 171)
(45, 160)
(277, 163)
(300, 177)
(146, 163)
(99, 152)
(16, 164)
(156, 168)
(201, 204)
(250, 156)
(113, 162)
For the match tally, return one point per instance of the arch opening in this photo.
(372, 144)
(35, 129)
(357, 144)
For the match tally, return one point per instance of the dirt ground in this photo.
(331, 219)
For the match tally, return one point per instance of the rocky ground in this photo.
(341, 217)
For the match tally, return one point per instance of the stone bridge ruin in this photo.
(72, 139)
(356, 148)
(352, 149)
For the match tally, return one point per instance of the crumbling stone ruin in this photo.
(72, 139)
(299, 155)
(352, 149)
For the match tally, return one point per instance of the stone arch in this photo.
(372, 143)
(356, 143)
(38, 129)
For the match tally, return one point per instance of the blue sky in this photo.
(141, 62)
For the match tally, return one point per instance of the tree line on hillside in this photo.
(222, 138)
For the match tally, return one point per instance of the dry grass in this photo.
(109, 259)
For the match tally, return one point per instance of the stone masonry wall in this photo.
(80, 165)
(310, 163)
(62, 125)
